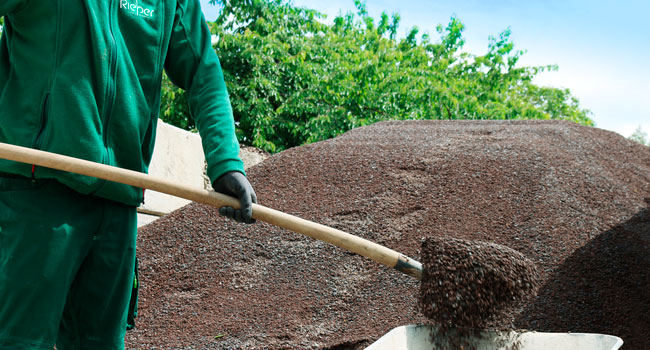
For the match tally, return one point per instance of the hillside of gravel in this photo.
(573, 199)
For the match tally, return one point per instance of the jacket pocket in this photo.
(42, 127)
(10, 183)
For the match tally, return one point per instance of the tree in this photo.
(174, 108)
(640, 136)
(294, 80)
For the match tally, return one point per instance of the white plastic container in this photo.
(414, 337)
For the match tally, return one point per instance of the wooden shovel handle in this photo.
(324, 233)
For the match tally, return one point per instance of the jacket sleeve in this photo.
(192, 64)
(7, 6)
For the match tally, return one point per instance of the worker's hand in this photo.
(235, 184)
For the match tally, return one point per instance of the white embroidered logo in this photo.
(136, 9)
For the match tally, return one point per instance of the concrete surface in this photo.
(178, 156)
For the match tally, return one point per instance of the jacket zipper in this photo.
(38, 142)
(110, 94)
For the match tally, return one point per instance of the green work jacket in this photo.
(82, 78)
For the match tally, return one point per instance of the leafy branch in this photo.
(293, 79)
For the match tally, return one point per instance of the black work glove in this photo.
(235, 184)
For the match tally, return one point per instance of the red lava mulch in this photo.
(468, 283)
(573, 199)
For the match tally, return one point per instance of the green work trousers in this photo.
(66, 267)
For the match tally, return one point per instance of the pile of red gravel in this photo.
(575, 200)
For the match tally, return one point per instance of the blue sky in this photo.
(602, 47)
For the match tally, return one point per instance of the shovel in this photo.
(324, 233)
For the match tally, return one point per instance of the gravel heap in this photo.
(466, 283)
(574, 200)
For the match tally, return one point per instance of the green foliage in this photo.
(640, 136)
(174, 108)
(294, 80)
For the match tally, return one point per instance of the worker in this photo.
(83, 78)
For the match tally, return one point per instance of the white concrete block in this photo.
(178, 156)
(145, 219)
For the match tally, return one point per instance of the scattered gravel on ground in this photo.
(574, 200)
